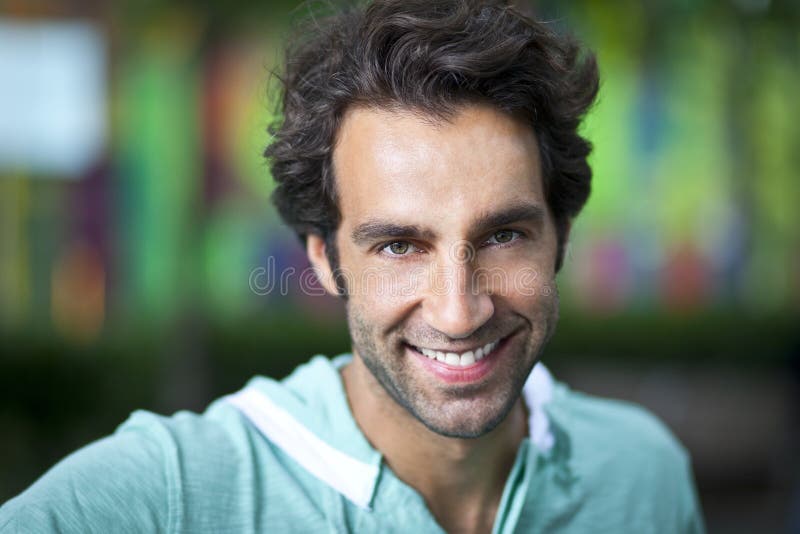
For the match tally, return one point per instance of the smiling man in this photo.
(428, 158)
(443, 202)
(437, 370)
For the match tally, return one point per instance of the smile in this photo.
(455, 359)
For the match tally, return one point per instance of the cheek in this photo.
(531, 284)
(379, 281)
(516, 276)
(384, 295)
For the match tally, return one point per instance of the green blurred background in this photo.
(136, 233)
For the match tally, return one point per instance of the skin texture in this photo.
(445, 242)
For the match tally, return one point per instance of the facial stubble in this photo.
(459, 415)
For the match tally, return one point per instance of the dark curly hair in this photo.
(431, 56)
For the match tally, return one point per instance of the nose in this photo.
(455, 305)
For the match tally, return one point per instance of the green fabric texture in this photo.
(613, 468)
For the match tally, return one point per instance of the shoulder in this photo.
(184, 472)
(625, 459)
(615, 426)
(116, 482)
(132, 480)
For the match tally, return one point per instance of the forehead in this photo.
(404, 167)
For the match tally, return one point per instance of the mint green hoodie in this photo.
(288, 457)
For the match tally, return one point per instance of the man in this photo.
(428, 158)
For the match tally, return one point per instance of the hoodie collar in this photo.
(307, 416)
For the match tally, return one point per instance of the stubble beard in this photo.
(457, 416)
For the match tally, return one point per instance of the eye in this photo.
(399, 248)
(502, 237)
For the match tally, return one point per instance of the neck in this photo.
(461, 480)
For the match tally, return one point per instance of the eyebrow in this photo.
(524, 212)
(375, 230)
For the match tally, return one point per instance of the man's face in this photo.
(448, 249)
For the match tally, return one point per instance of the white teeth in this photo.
(464, 360)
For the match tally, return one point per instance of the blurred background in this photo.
(139, 250)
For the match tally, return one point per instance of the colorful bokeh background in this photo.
(143, 266)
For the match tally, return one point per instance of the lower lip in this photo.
(462, 375)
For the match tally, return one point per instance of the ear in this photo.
(315, 249)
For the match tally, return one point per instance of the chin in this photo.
(463, 419)
(465, 430)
